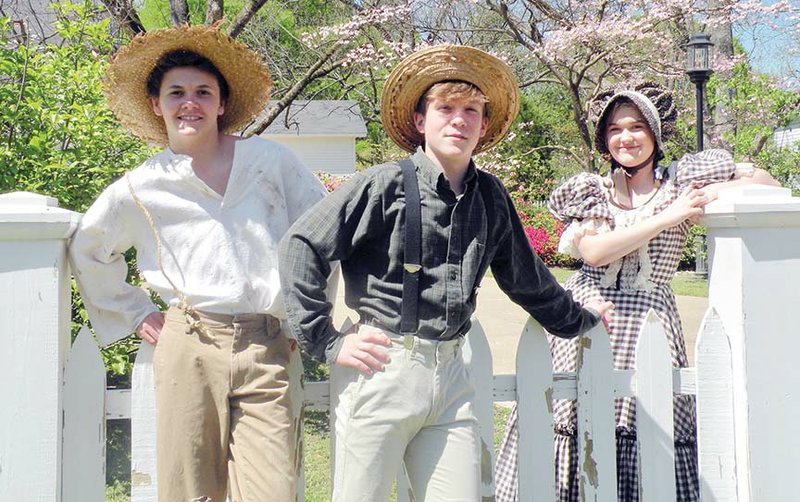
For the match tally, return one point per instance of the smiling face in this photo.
(190, 102)
(628, 136)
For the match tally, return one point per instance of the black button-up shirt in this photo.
(361, 225)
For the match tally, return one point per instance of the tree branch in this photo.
(244, 16)
(315, 71)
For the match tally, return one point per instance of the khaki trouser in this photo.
(224, 422)
(417, 412)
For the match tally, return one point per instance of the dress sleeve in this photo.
(582, 196)
(115, 307)
(704, 168)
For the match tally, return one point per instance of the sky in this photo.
(771, 50)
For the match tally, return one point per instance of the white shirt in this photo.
(220, 251)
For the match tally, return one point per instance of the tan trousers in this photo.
(224, 422)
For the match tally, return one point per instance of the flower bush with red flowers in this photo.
(544, 232)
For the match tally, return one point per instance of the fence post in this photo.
(754, 285)
(34, 333)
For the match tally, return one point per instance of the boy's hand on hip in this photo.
(364, 351)
(150, 328)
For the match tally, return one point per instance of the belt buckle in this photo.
(408, 342)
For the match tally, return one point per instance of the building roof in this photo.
(319, 118)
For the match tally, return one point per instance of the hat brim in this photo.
(248, 78)
(414, 75)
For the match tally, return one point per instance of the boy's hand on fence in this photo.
(363, 350)
(150, 328)
(602, 307)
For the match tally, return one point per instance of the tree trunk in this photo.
(722, 122)
(214, 11)
(123, 12)
(179, 11)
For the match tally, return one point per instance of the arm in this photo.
(332, 230)
(601, 249)
(523, 276)
(115, 307)
(759, 177)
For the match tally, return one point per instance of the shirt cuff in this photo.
(333, 348)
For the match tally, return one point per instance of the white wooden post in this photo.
(655, 436)
(34, 334)
(535, 415)
(754, 285)
(716, 451)
(597, 467)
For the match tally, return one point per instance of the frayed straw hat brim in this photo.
(414, 75)
(247, 76)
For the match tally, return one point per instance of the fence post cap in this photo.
(27, 199)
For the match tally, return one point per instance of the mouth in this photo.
(189, 118)
(457, 136)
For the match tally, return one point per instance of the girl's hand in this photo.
(688, 206)
(151, 327)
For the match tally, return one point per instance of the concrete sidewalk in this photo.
(503, 322)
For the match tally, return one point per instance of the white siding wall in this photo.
(334, 155)
(787, 137)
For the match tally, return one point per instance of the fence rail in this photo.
(653, 383)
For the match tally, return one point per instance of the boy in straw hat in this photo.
(414, 239)
(205, 216)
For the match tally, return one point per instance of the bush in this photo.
(544, 231)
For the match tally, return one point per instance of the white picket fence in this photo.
(595, 385)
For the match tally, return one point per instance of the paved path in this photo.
(503, 322)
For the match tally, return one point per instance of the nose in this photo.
(458, 119)
(626, 135)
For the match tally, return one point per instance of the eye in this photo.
(176, 93)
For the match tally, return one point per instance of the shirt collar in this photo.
(433, 174)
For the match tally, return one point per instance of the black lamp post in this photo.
(698, 56)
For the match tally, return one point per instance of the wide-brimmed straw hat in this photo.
(247, 76)
(414, 75)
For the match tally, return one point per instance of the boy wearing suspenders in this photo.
(414, 239)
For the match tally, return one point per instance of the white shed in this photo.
(322, 133)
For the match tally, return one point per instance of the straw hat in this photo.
(414, 75)
(125, 85)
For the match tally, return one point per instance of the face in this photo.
(628, 136)
(452, 128)
(189, 102)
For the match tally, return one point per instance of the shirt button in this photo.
(453, 275)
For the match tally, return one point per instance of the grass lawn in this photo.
(684, 283)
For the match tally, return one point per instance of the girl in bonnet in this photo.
(205, 216)
(629, 229)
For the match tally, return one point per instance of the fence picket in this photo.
(535, 415)
(84, 422)
(478, 359)
(596, 429)
(654, 414)
(715, 428)
(143, 427)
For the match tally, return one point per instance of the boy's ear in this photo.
(419, 122)
(484, 126)
(156, 106)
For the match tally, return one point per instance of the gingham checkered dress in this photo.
(635, 284)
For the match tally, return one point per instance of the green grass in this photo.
(684, 283)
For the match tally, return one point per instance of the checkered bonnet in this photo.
(653, 102)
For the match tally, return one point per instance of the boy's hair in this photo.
(184, 58)
(452, 90)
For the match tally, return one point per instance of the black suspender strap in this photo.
(412, 263)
